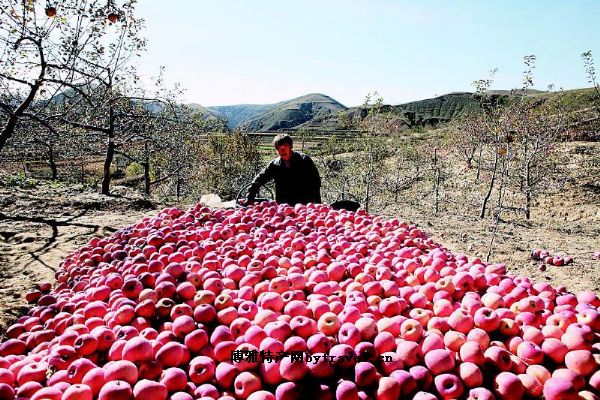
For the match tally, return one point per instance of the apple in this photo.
(439, 361)
(346, 390)
(581, 362)
(556, 388)
(508, 386)
(245, 384)
(147, 389)
(50, 11)
(411, 330)
(449, 386)
(499, 358)
(471, 351)
(115, 390)
(388, 388)
(470, 374)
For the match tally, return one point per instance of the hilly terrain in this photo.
(287, 114)
(240, 113)
(428, 112)
(319, 112)
(439, 109)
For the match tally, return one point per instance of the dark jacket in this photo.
(300, 183)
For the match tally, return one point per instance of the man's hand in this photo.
(245, 202)
(252, 193)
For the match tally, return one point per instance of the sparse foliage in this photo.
(75, 51)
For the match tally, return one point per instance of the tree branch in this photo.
(22, 81)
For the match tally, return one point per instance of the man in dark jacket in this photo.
(296, 177)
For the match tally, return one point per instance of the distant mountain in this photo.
(213, 119)
(516, 91)
(238, 114)
(287, 114)
(318, 112)
(212, 116)
(439, 109)
(428, 112)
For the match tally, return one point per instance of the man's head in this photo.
(283, 144)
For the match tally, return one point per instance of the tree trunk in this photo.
(470, 155)
(527, 190)
(13, 119)
(110, 150)
(367, 193)
(436, 182)
(146, 178)
(499, 205)
(8, 130)
(147, 171)
(26, 172)
(110, 153)
(368, 177)
(491, 188)
(479, 164)
(525, 160)
(178, 186)
(52, 163)
(9, 127)
(397, 186)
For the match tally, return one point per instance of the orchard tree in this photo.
(374, 147)
(470, 136)
(171, 145)
(226, 163)
(591, 122)
(74, 45)
(85, 63)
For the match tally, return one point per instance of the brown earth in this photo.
(40, 226)
(565, 221)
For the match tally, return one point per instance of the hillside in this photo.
(238, 114)
(211, 116)
(425, 113)
(287, 114)
(319, 112)
(439, 109)
(447, 107)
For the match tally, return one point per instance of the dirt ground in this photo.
(565, 221)
(468, 235)
(40, 226)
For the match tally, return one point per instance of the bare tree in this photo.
(47, 50)
(377, 127)
(492, 132)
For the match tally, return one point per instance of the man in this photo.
(296, 177)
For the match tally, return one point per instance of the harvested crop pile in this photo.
(280, 302)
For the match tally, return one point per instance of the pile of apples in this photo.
(547, 258)
(157, 310)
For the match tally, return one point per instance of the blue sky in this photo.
(263, 51)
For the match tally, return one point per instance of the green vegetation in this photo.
(18, 180)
